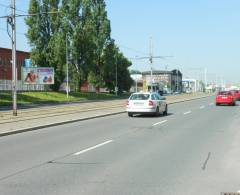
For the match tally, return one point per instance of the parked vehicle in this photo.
(225, 97)
(146, 103)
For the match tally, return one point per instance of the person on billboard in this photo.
(47, 79)
(31, 77)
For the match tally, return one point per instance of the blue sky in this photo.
(199, 34)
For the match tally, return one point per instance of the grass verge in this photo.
(24, 98)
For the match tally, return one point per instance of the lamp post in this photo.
(14, 71)
(67, 61)
(116, 77)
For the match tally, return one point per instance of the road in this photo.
(193, 150)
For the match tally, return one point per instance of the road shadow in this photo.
(151, 116)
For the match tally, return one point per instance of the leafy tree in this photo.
(85, 25)
(135, 71)
(114, 61)
(101, 37)
(45, 37)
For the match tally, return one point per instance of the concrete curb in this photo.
(81, 119)
(57, 124)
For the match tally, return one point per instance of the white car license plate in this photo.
(138, 104)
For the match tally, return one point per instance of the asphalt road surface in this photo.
(193, 150)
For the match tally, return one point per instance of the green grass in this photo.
(53, 97)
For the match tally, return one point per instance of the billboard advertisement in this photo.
(38, 75)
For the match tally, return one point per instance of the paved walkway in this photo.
(36, 118)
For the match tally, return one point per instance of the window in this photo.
(139, 97)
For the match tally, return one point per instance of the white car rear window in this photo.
(139, 97)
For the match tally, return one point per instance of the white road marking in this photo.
(161, 122)
(188, 112)
(202, 107)
(92, 148)
(211, 104)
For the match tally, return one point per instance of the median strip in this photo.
(92, 148)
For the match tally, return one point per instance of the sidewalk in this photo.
(41, 117)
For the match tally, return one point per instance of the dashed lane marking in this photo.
(161, 122)
(92, 148)
(188, 112)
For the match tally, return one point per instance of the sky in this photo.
(199, 34)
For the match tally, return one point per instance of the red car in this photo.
(225, 97)
(236, 94)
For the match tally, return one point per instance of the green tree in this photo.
(77, 22)
(135, 71)
(45, 36)
(115, 66)
(101, 37)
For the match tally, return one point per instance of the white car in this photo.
(146, 103)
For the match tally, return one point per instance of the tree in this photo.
(85, 25)
(45, 36)
(114, 61)
(135, 71)
(101, 37)
(77, 22)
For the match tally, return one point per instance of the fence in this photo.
(6, 85)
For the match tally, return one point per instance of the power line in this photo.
(135, 50)
(9, 7)
(20, 33)
(6, 6)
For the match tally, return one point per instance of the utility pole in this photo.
(136, 84)
(151, 62)
(116, 75)
(150, 57)
(177, 80)
(205, 77)
(67, 61)
(14, 72)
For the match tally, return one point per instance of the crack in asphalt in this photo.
(206, 161)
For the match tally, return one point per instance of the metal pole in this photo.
(151, 62)
(67, 64)
(177, 80)
(205, 77)
(116, 87)
(136, 85)
(14, 73)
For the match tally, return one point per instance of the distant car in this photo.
(225, 97)
(146, 103)
(236, 94)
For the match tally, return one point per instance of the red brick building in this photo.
(6, 66)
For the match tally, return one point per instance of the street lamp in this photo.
(116, 77)
(67, 61)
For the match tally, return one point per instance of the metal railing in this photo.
(6, 85)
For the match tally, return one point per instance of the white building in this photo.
(192, 85)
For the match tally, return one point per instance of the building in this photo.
(192, 85)
(6, 70)
(6, 65)
(138, 83)
(170, 80)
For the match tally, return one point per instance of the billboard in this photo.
(38, 75)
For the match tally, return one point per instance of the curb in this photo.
(57, 124)
(80, 119)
